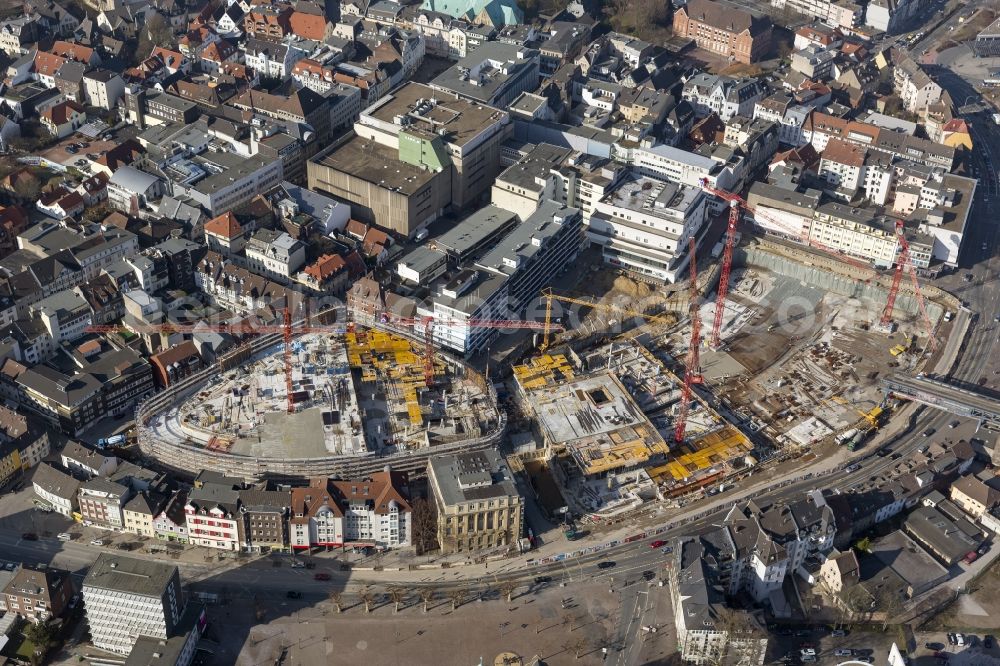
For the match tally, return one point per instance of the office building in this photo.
(478, 504)
(126, 598)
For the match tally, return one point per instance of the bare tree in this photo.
(398, 595)
(423, 516)
(457, 597)
(367, 598)
(337, 599)
(580, 643)
(427, 595)
(507, 589)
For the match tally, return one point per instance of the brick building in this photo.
(720, 27)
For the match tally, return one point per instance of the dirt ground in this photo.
(978, 610)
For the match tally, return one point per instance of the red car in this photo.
(322, 576)
(658, 544)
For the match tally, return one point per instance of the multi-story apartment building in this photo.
(478, 504)
(214, 519)
(102, 502)
(720, 27)
(56, 489)
(274, 254)
(373, 511)
(37, 595)
(645, 225)
(974, 496)
(842, 167)
(126, 598)
(140, 512)
(316, 517)
(723, 95)
(376, 510)
(837, 13)
(914, 86)
(265, 516)
(170, 524)
(698, 595)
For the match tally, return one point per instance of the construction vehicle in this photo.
(114, 440)
(550, 296)
(897, 350)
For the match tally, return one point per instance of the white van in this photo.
(64, 536)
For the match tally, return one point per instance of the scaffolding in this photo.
(542, 371)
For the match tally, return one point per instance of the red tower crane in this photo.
(736, 204)
(428, 324)
(692, 369)
(904, 263)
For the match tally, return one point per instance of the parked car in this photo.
(659, 543)
(929, 432)
(951, 639)
(29, 536)
(298, 564)
(97, 542)
(988, 641)
(322, 575)
(838, 633)
(666, 550)
(64, 536)
(293, 594)
(606, 564)
(843, 652)
(74, 601)
(10, 566)
(542, 580)
(934, 646)
(959, 640)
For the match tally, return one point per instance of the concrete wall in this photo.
(832, 275)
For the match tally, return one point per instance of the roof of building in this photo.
(146, 578)
(844, 152)
(473, 476)
(55, 482)
(726, 16)
(977, 491)
(457, 120)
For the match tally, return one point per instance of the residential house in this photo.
(214, 519)
(56, 489)
(38, 594)
(64, 118)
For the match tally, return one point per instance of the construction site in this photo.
(790, 362)
(365, 392)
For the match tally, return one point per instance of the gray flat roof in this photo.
(126, 574)
(504, 65)
(474, 476)
(422, 258)
(475, 229)
(460, 119)
(372, 162)
(528, 238)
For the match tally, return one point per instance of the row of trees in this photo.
(399, 596)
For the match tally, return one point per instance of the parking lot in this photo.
(830, 646)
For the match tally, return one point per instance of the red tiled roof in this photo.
(326, 266)
(224, 225)
(72, 51)
(61, 113)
